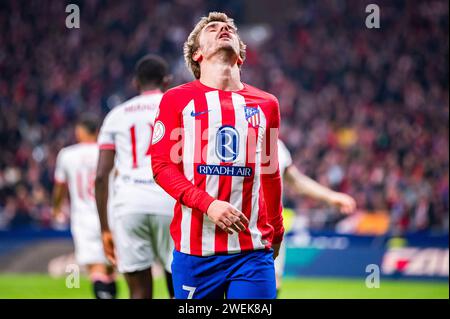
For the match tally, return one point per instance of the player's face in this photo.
(217, 36)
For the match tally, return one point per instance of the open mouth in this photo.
(225, 35)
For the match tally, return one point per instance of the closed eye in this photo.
(211, 27)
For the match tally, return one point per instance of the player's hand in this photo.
(226, 216)
(108, 246)
(58, 216)
(344, 202)
(276, 250)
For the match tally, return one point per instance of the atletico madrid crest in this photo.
(252, 115)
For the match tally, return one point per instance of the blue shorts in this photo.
(248, 275)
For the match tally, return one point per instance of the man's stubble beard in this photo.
(226, 50)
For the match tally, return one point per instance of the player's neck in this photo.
(221, 74)
(92, 140)
(149, 89)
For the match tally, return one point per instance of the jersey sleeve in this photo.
(60, 169)
(284, 157)
(167, 170)
(108, 132)
(270, 174)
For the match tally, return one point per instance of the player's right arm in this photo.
(60, 187)
(166, 171)
(106, 141)
(303, 185)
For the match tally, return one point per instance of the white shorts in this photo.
(88, 242)
(140, 240)
(280, 260)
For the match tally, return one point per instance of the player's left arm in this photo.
(270, 176)
(303, 185)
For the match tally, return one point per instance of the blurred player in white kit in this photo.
(305, 186)
(142, 210)
(75, 172)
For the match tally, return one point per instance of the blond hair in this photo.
(192, 44)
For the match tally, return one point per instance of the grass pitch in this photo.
(42, 286)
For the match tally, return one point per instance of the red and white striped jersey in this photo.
(76, 166)
(211, 144)
(127, 129)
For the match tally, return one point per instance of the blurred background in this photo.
(364, 111)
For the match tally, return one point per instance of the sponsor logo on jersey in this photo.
(194, 114)
(241, 171)
(227, 143)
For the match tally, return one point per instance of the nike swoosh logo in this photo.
(199, 113)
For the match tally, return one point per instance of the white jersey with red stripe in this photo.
(208, 144)
(285, 160)
(76, 167)
(127, 129)
(284, 157)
